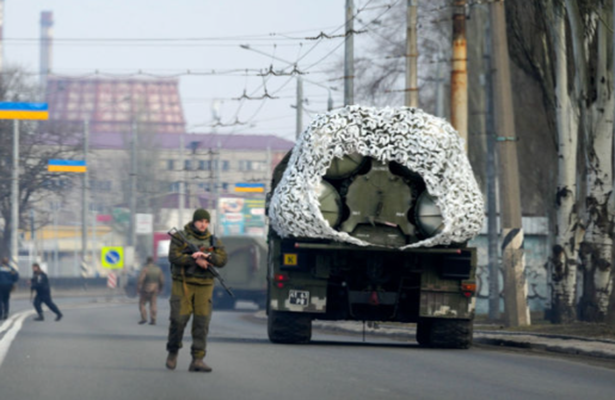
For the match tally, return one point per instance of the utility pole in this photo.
(268, 161)
(349, 55)
(56, 264)
(412, 90)
(133, 186)
(94, 238)
(440, 86)
(492, 229)
(217, 185)
(459, 72)
(513, 260)
(15, 196)
(182, 180)
(84, 195)
(299, 107)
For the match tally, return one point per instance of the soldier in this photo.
(8, 278)
(192, 289)
(40, 283)
(150, 284)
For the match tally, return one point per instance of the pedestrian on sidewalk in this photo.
(40, 284)
(192, 289)
(8, 278)
(149, 286)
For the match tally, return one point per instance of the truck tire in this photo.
(423, 332)
(289, 327)
(445, 333)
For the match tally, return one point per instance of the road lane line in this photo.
(6, 324)
(5, 342)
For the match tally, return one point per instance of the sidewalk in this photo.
(484, 334)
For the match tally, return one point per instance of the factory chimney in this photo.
(46, 42)
(1, 36)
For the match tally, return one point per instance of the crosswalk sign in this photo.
(112, 257)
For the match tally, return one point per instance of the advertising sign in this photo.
(144, 224)
(240, 216)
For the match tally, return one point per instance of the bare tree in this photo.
(39, 142)
(570, 39)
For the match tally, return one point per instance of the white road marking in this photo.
(5, 342)
(5, 326)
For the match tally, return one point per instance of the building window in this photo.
(245, 165)
(170, 165)
(100, 186)
(174, 187)
(225, 186)
(226, 165)
(205, 186)
(203, 165)
(259, 165)
(187, 165)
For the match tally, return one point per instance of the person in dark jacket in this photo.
(40, 284)
(8, 278)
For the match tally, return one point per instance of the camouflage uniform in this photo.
(149, 285)
(191, 290)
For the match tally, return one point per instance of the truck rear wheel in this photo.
(289, 327)
(444, 333)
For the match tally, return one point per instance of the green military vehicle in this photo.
(367, 261)
(245, 272)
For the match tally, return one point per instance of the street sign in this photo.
(112, 257)
(10, 110)
(67, 166)
(121, 215)
(250, 187)
(144, 224)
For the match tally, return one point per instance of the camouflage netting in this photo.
(424, 143)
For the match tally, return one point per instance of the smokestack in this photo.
(1, 36)
(46, 38)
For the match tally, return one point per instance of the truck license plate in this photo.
(299, 297)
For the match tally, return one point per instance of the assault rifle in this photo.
(192, 248)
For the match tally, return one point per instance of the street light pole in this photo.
(133, 186)
(84, 197)
(15, 196)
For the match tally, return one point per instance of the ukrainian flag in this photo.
(250, 187)
(66, 166)
(10, 110)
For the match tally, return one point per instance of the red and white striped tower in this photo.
(1, 36)
(46, 46)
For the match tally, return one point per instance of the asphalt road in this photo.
(99, 352)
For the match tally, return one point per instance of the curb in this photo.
(553, 348)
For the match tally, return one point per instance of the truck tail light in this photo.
(280, 279)
(468, 289)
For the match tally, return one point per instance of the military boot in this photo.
(198, 365)
(172, 360)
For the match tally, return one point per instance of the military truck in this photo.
(370, 266)
(245, 272)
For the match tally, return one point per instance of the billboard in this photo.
(239, 216)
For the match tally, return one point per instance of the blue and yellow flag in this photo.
(250, 187)
(66, 166)
(9, 110)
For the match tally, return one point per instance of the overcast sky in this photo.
(279, 26)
